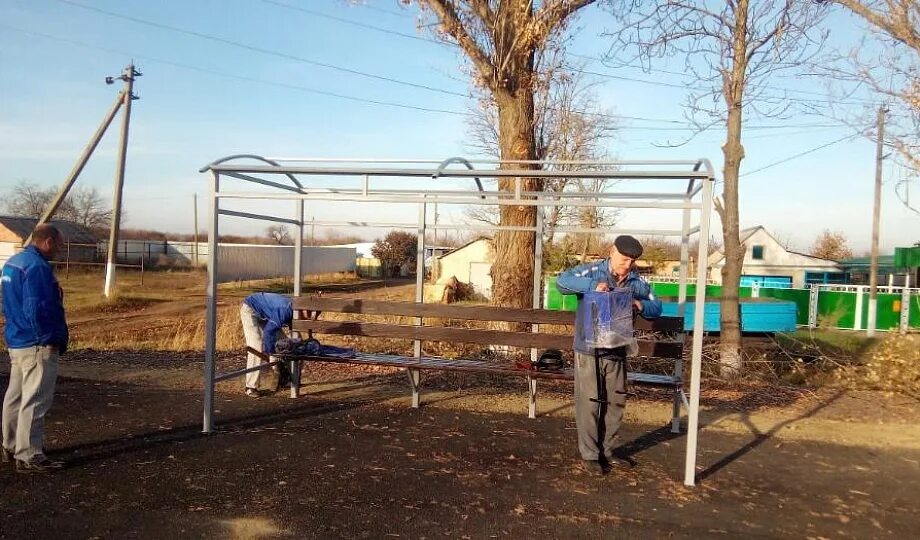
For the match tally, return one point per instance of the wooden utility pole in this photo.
(876, 211)
(128, 95)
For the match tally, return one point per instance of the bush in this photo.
(894, 366)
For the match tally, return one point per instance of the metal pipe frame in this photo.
(460, 173)
(459, 199)
(423, 161)
(702, 172)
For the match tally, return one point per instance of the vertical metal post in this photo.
(298, 246)
(537, 289)
(195, 234)
(298, 279)
(905, 304)
(210, 336)
(858, 317)
(684, 256)
(128, 77)
(697, 354)
(876, 211)
(420, 271)
(755, 289)
(813, 306)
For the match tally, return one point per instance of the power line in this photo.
(800, 154)
(240, 77)
(375, 28)
(261, 50)
(371, 101)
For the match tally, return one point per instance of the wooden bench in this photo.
(660, 338)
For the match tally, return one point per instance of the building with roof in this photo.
(769, 264)
(80, 241)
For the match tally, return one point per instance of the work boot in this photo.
(6, 456)
(252, 392)
(43, 465)
(593, 466)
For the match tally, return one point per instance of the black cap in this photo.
(629, 246)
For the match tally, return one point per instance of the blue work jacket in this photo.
(33, 302)
(584, 278)
(276, 310)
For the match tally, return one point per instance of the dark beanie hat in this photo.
(629, 246)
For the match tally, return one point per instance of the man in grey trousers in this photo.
(35, 334)
(600, 374)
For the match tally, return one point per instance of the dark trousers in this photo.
(598, 423)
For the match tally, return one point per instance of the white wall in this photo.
(242, 261)
(7, 250)
(777, 261)
(457, 263)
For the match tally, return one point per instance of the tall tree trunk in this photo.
(733, 150)
(512, 267)
(730, 336)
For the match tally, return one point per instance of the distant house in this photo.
(768, 263)
(470, 263)
(80, 242)
(890, 272)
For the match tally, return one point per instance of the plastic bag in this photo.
(608, 320)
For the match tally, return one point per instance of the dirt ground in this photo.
(351, 459)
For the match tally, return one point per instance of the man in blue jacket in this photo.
(35, 334)
(600, 374)
(263, 316)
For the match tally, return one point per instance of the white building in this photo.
(768, 263)
(470, 263)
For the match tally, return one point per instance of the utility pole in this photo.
(876, 211)
(195, 236)
(128, 76)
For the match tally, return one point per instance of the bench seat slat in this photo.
(466, 312)
(478, 366)
(661, 349)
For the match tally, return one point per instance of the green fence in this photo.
(835, 309)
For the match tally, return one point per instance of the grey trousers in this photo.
(252, 331)
(596, 439)
(33, 373)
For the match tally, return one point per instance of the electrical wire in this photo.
(800, 154)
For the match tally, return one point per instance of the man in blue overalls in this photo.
(600, 374)
(263, 316)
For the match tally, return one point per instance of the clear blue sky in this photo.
(203, 98)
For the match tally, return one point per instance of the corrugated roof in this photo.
(73, 232)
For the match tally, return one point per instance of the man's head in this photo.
(623, 254)
(47, 239)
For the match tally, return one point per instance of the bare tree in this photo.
(501, 39)
(831, 245)
(570, 125)
(894, 74)
(28, 199)
(85, 206)
(731, 49)
(279, 234)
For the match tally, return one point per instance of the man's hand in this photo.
(602, 287)
(638, 305)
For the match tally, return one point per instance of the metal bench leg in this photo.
(531, 397)
(678, 395)
(415, 379)
(675, 415)
(295, 379)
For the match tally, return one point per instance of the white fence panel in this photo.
(242, 262)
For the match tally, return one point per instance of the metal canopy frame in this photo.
(356, 176)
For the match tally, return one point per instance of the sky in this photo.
(339, 79)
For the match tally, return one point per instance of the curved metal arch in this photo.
(462, 160)
(251, 156)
